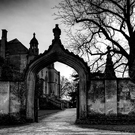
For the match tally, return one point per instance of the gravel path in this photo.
(62, 123)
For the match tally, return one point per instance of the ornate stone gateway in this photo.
(56, 52)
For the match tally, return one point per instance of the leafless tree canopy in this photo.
(95, 24)
(66, 86)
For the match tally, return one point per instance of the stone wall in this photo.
(4, 97)
(111, 97)
(12, 97)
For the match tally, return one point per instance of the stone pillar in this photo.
(30, 96)
(82, 97)
(59, 89)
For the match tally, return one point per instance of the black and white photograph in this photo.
(67, 67)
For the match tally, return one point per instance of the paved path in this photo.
(62, 123)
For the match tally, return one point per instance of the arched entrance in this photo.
(56, 52)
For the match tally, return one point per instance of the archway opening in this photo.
(57, 90)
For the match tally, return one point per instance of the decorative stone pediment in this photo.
(57, 52)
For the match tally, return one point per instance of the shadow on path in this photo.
(41, 115)
(46, 113)
(120, 128)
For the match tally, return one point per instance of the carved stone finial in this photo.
(57, 32)
(34, 34)
(109, 69)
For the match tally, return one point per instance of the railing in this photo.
(56, 103)
(66, 103)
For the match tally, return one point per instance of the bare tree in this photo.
(66, 86)
(96, 24)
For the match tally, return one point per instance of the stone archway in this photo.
(56, 52)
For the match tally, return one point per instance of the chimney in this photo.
(4, 34)
(3, 43)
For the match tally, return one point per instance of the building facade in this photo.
(50, 81)
(14, 58)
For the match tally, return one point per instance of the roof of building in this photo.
(16, 47)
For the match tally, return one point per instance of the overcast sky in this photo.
(21, 18)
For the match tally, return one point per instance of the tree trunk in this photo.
(132, 58)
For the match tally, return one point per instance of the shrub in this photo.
(12, 119)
